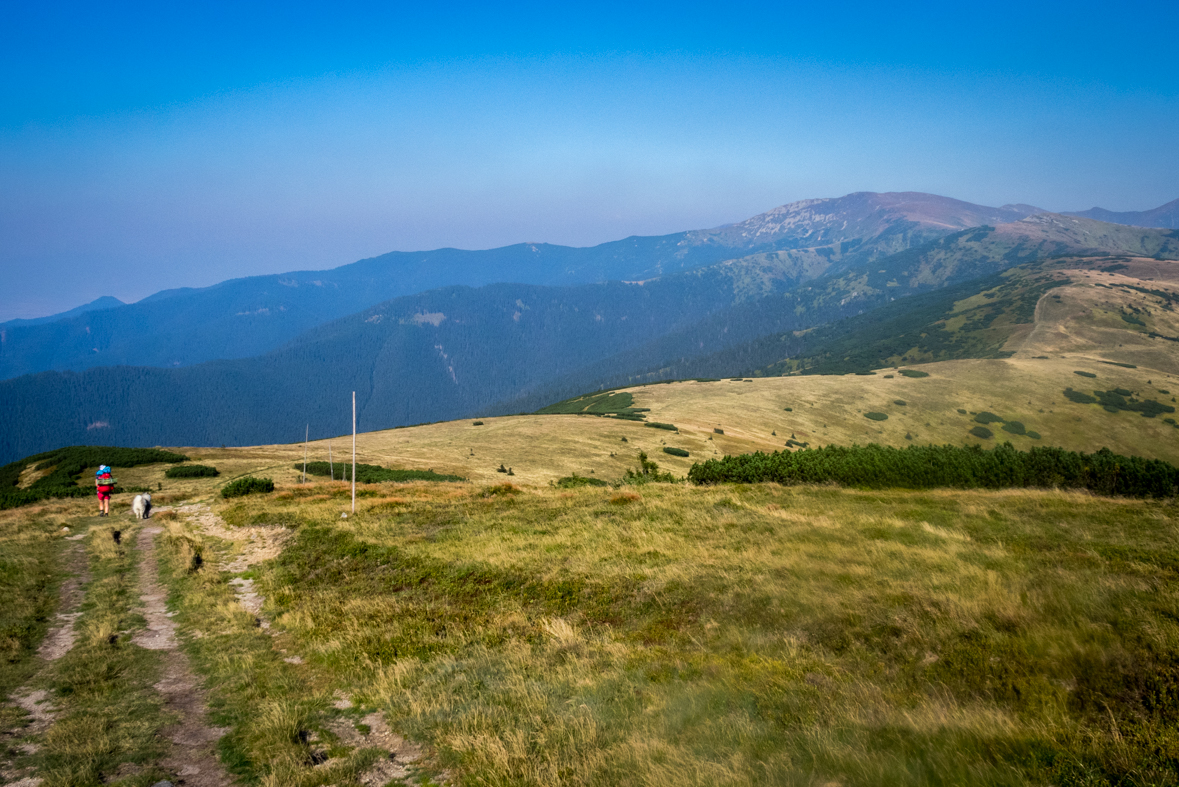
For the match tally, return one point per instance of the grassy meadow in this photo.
(665, 634)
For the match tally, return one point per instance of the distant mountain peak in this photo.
(1163, 217)
(104, 302)
(861, 214)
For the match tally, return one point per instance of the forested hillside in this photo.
(761, 331)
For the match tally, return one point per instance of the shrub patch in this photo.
(248, 485)
(191, 471)
(960, 467)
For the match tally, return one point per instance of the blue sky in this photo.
(144, 147)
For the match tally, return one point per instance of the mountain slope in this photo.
(452, 351)
(748, 335)
(1164, 216)
(250, 316)
(105, 302)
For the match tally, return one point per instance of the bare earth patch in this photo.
(255, 545)
(402, 754)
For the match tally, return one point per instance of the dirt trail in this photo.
(193, 741)
(61, 636)
(257, 544)
(58, 641)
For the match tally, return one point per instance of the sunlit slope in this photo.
(825, 409)
(1112, 319)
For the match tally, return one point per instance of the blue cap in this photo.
(102, 469)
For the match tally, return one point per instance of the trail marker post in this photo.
(354, 452)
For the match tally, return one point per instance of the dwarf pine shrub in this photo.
(191, 471)
(667, 449)
(960, 467)
(249, 485)
(64, 465)
(374, 474)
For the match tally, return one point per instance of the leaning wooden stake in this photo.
(306, 435)
(354, 452)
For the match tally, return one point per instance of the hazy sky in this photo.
(151, 146)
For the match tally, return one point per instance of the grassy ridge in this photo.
(740, 635)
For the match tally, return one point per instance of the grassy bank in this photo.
(730, 635)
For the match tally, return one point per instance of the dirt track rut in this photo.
(192, 756)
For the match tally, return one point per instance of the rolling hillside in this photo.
(760, 331)
(458, 351)
(252, 316)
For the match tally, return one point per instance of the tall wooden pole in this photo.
(354, 452)
(306, 435)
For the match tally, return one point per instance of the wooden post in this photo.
(306, 435)
(354, 452)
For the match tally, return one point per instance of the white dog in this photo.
(141, 506)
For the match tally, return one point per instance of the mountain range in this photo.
(510, 347)
(254, 315)
(1164, 216)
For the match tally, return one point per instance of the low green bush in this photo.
(1031, 434)
(982, 432)
(373, 474)
(718, 431)
(900, 402)
(1120, 399)
(657, 425)
(575, 480)
(1014, 427)
(876, 416)
(986, 418)
(959, 467)
(912, 373)
(249, 485)
(1085, 374)
(1078, 397)
(191, 471)
(477, 423)
(667, 449)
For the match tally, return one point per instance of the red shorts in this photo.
(104, 494)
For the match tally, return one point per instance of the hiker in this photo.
(105, 484)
